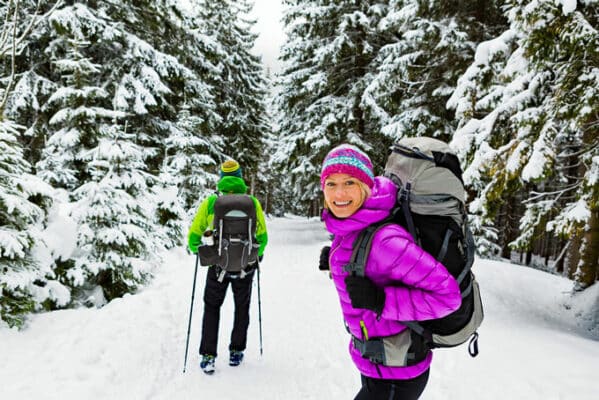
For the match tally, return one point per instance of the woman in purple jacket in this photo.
(401, 281)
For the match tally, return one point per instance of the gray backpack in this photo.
(431, 206)
(235, 245)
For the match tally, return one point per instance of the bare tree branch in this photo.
(10, 42)
(5, 26)
(12, 60)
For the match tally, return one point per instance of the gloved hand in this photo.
(260, 258)
(193, 242)
(323, 263)
(365, 294)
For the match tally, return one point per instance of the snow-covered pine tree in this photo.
(128, 72)
(528, 110)
(187, 154)
(185, 178)
(427, 46)
(327, 55)
(76, 109)
(273, 193)
(26, 87)
(240, 88)
(25, 284)
(149, 85)
(163, 67)
(116, 240)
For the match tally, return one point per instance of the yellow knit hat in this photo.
(230, 168)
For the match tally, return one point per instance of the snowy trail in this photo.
(133, 348)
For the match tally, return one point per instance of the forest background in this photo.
(115, 114)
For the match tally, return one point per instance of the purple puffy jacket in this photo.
(417, 287)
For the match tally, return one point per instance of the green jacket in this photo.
(205, 215)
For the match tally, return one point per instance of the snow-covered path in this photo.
(531, 346)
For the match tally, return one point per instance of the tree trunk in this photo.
(573, 255)
(511, 217)
(587, 272)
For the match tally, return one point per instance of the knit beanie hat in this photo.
(230, 168)
(348, 159)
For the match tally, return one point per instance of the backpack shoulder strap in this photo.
(361, 248)
(211, 200)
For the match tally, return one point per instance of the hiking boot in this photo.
(235, 358)
(207, 364)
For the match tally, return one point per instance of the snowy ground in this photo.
(531, 345)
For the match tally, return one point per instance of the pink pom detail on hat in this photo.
(347, 159)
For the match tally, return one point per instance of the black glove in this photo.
(260, 258)
(364, 294)
(323, 263)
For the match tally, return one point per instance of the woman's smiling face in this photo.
(343, 194)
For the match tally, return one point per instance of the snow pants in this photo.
(391, 389)
(214, 296)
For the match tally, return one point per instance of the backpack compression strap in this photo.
(469, 261)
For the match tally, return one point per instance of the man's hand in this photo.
(194, 242)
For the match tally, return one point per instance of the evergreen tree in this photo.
(330, 48)
(144, 75)
(185, 178)
(240, 87)
(76, 110)
(21, 47)
(528, 124)
(26, 284)
(88, 69)
(428, 45)
(22, 278)
(116, 243)
(166, 67)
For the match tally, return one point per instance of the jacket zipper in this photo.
(363, 329)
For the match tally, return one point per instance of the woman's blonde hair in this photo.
(366, 192)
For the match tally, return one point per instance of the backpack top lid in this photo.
(235, 207)
(429, 165)
(434, 175)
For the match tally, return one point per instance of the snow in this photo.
(568, 6)
(536, 341)
(60, 236)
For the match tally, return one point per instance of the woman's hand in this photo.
(323, 263)
(365, 294)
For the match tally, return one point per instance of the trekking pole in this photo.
(193, 291)
(259, 310)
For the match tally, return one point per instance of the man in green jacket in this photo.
(231, 182)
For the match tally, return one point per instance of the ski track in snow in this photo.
(133, 348)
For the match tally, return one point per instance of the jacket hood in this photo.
(376, 208)
(232, 184)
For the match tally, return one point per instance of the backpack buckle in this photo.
(351, 267)
(403, 195)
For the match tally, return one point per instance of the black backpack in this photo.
(235, 245)
(431, 206)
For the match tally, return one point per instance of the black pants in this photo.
(389, 389)
(214, 296)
